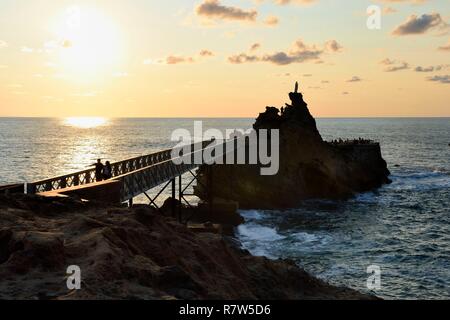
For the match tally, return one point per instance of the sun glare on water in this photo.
(85, 122)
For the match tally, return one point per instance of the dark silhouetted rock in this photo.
(309, 167)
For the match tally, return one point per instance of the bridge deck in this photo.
(131, 177)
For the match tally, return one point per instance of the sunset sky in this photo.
(222, 58)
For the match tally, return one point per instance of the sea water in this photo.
(404, 227)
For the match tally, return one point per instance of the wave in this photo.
(420, 181)
(252, 214)
(255, 232)
(311, 238)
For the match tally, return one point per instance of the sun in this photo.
(88, 42)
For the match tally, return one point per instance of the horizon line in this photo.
(237, 117)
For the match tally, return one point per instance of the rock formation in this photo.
(309, 167)
(134, 254)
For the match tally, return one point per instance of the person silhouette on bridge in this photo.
(99, 170)
(107, 171)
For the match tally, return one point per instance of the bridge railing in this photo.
(139, 181)
(88, 176)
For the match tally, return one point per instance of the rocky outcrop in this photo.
(134, 254)
(309, 167)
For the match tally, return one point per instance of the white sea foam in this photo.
(257, 232)
(252, 214)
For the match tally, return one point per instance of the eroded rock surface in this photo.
(134, 254)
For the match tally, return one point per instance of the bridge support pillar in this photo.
(180, 197)
(130, 202)
(173, 197)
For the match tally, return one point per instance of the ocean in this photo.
(403, 228)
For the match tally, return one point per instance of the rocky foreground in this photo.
(134, 254)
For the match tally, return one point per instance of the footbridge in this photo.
(131, 177)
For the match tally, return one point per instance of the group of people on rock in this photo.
(102, 171)
(351, 141)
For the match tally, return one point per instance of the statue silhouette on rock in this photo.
(296, 112)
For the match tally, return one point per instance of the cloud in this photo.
(255, 46)
(429, 69)
(243, 58)
(420, 25)
(393, 65)
(389, 10)
(206, 53)
(3, 44)
(170, 60)
(213, 9)
(445, 47)
(441, 79)
(178, 59)
(355, 79)
(299, 53)
(333, 46)
(271, 21)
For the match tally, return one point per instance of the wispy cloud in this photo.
(213, 9)
(430, 68)
(255, 46)
(298, 53)
(389, 10)
(445, 79)
(271, 21)
(393, 65)
(180, 59)
(355, 79)
(420, 25)
(206, 53)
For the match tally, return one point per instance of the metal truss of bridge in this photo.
(131, 178)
